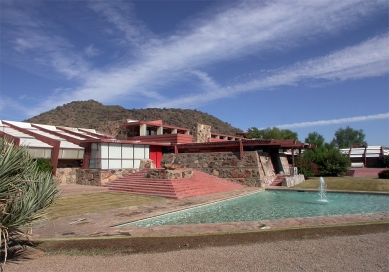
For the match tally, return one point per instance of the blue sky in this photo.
(299, 65)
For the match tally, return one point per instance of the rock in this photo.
(147, 164)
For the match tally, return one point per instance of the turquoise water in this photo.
(272, 205)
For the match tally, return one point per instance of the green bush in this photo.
(307, 168)
(384, 174)
(44, 165)
(326, 161)
(385, 161)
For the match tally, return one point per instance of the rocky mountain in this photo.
(108, 119)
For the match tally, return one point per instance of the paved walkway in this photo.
(99, 224)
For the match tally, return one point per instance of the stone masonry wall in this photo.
(267, 169)
(66, 175)
(93, 177)
(201, 133)
(97, 177)
(169, 174)
(225, 165)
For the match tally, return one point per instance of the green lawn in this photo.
(347, 183)
(78, 204)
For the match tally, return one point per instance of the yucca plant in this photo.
(25, 193)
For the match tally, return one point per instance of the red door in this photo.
(156, 155)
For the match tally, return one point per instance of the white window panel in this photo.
(104, 151)
(39, 153)
(94, 151)
(92, 163)
(127, 163)
(127, 151)
(69, 154)
(147, 152)
(80, 154)
(115, 164)
(104, 164)
(47, 153)
(139, 152)
(115, 151)
(136, 164)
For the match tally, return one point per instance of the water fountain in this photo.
(323, 190)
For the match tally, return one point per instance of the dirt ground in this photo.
(342, 248)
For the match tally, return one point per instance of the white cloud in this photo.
(368, 59)
(91, 51)
(121, 15)
(335, 121)
(238, 29)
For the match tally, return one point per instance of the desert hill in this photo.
(108, 119)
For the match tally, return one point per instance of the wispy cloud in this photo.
(335, 121)
(368, 59)
(234, 31)
(121, 15)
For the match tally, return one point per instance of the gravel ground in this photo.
(366, 252)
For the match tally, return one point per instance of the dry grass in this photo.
(79, 204)
(348, 183)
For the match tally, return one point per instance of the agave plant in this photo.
(25, 193)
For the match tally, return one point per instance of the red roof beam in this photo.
(66, 137)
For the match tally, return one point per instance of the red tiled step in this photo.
(277, 181)
(199, 184)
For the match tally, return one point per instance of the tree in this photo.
(25, 192)
(347, 137)
(315, 139)
(271, 133)
(325, 160)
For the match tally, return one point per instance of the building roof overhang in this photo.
(258, 142)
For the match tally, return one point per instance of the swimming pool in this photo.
(271, 205)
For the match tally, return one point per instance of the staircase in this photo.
(199, 184)
(278, 180)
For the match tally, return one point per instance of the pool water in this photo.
(272, 205)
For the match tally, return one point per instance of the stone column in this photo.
(201, 133)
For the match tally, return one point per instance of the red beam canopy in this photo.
(238, 144)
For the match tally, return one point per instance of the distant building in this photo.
(365, 156)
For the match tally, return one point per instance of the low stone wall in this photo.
(293, 180)
(225, 165)
(66, 175)
(170, 174)
(93, 177)
(97, 177)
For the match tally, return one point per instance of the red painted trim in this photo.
(87, 154)
(164, 138)
(240, 150)
(96, 135)
(66, 137)
(87, 137)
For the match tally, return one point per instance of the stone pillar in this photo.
(160, 131)
(143, 130)
(201, 133)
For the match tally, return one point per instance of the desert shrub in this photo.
(324, 161)
(44, 165)
(384, 174)
(307, 168)
(25, 192)
(385, 161)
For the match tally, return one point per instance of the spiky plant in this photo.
(25, 193)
